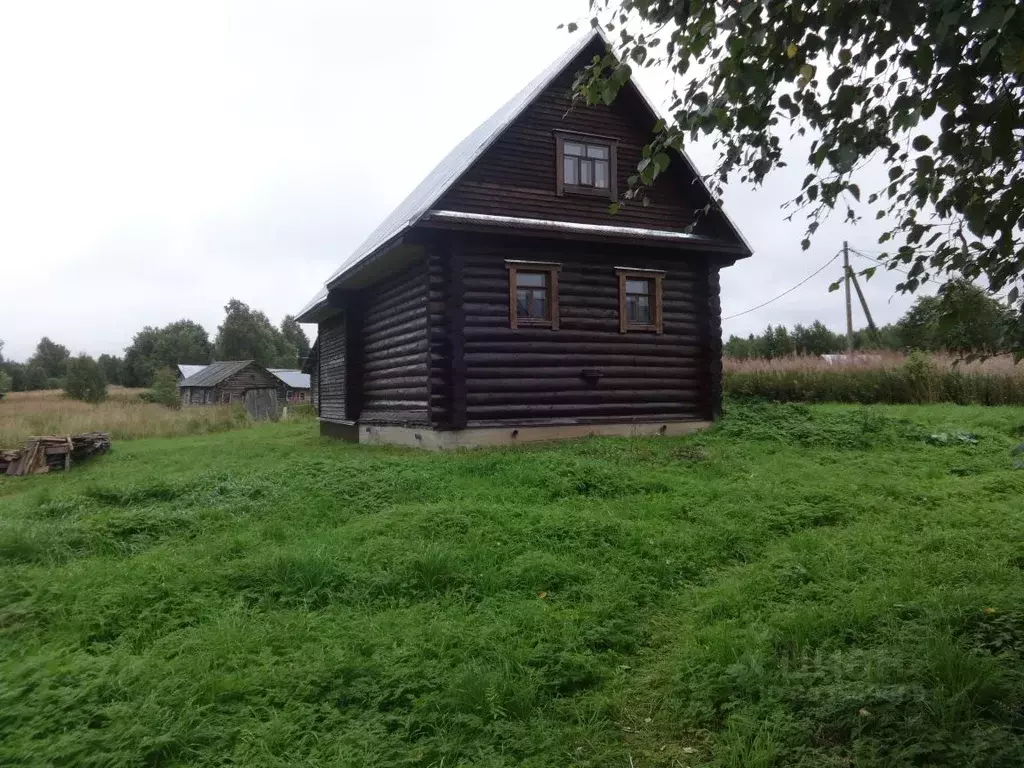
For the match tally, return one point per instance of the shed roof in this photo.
(292, 378)
(420, 201)
(214, 373)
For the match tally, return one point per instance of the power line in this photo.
(786, 293)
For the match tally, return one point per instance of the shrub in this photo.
(85, 380)
(165, 389)
(6, 384)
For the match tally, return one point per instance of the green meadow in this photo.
(826, 586)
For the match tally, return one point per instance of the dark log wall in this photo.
(394, 354)
(531, 375)
(331, 378)
(516, 176)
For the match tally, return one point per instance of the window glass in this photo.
(601, 175)
(597, 152)
(638, 301)
(638, 309)
(570, 174)
(532, 296)
(586, 173)
(572, 148)
(532, 279)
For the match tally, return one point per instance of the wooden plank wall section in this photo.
(332, 378)
(536, 375)
(395, 352)
(516, 176)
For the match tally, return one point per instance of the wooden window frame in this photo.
(514, 267)
(657, 314)
(612, 193)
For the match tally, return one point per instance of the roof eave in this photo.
(581, 231)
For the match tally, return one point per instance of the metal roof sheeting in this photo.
(214, 373)
(189, 370)
(292, 378)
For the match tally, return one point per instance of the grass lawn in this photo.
(801, 586)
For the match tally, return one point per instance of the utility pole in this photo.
(849, 305)
(863, 303)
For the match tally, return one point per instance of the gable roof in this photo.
(214, 373)
(419, 202)
(292, 378)
(185, 370)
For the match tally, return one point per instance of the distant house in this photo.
(184, 371)
(294, 386)
(226, 382)
(502, 302)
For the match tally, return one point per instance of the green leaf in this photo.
(807, 71)
(833, 287)
(614, 208)
(662, 160)
(572, 27)
(854, 190)
(922, 142)
(805, 244)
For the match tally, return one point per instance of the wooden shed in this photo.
(503, 302)
(226, 382)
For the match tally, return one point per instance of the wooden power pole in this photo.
(849, 305)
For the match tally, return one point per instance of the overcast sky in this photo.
(158, 159)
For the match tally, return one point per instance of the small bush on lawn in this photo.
(85, 380)
(917, 381)
(165, 389)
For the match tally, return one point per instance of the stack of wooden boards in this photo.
(41, 454)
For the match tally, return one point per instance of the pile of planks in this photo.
(41, 454)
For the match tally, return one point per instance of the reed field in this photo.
(122, 414)
(877, 377)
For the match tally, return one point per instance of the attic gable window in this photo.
(586, 165)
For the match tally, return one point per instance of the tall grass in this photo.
(801, 586)
(122, 414)
(877, 378)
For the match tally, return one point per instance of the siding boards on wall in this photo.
(332, 378)
(516, 176)
(394, 352)
(536, 374)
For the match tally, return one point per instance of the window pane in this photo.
(572, 148)
(638, 309)
(523, 302)
(601, 174)
(569, 173)
(586, 173)
(601, 153)
(638, 286)
(531, 279)
(540, 305)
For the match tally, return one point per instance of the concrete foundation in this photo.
(479, 437)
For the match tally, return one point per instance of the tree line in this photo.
(962, 319)
(245, 334)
